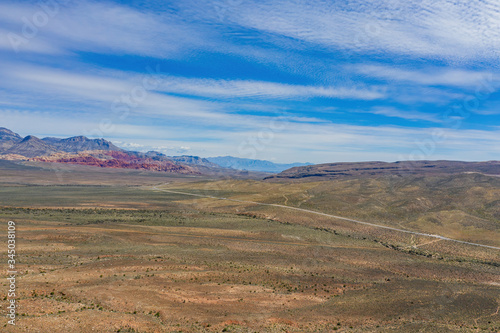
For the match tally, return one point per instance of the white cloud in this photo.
(134, 146)
(102, 27)
(432, 76)
(408, 115)
(444, 29)
(102, 90)
(98, 92)
(10, 41)
(266, 90)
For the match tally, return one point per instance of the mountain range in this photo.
(103, 153)
(80, 143)
(31, 146)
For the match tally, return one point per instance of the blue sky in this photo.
(316, 81)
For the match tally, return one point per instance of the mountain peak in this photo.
(81, 143)
(77, 138)
(8, 138)
(30, 138)
(4, 130)
(7, 133)
(31, 146)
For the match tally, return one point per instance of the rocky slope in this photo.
(31, 146)
(116, 159)
(8, 138)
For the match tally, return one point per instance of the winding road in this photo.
(331, 216)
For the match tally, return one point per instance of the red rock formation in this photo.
(119, 160)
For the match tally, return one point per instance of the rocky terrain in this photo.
(8, 139)
(104, 250)
(31, 146)
(116, 159)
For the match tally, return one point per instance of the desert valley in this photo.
(115, 241)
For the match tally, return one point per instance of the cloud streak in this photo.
(266, 90)
(431, 76)
(408, 115)
(443, 29)
(103, 27)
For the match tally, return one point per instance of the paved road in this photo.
(332, 216)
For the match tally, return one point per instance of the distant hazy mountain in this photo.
(194, 160)
(252, 165)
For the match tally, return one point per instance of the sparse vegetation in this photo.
(168, 263)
